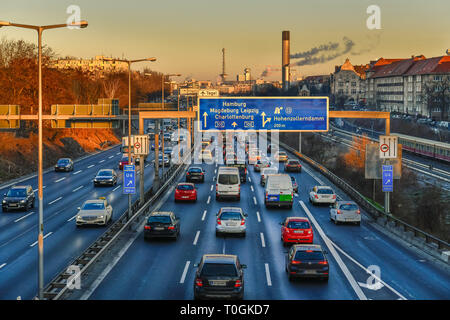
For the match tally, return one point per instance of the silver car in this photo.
(322, 194)
(265, 172)
(345, 211)
(97, 212)
(231, 220)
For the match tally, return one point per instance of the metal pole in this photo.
(129, 132)
(162, 127)
(40, 177)
(156, 179)
(299, 142)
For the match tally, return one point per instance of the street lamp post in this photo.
(141, 158)
(40, 30)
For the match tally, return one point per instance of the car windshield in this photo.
(230, 215)
(185, 187)
(159, 219)
(309, 255)
(219, 270)
(298, 225)
(124, 159)
(195, 170)
(348, 206)
(325, 191)
(63, 161)
(17, 193)
(105, 173)
(228, 179)
(281, 154)
(94, 206)
(293, 162)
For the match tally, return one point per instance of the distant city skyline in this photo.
(187, 38)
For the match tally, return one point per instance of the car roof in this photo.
(20, 187)
(297, 219)
(304, 247)
(346, 202)
(185, 183)
(219, 258)
(324, 187)
(160, 213)
(235, 209)
(95, 201)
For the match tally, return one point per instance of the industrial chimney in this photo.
(223, 74)
(285, 55)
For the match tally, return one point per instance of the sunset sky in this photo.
(187, 36)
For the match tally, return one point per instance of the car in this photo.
(162, 224)
(94, 212)
(219, 276)
(231, 220)
(124, 161)
(167, 136)
(254, 155)
(64, 164)
(205, 144)
(228, 183)
(281, 156)
(195, 173)
(105, 177)
(294, 184)
(307, 261)
(265, 172)
(292, 165)
(260, 164)
(345, 211)
(166, 160)
(168, 151)
(279, 191)
(18, 197)
(322, 194)
(205, 155)
(296, 230)
(185, 192)
(242, 167)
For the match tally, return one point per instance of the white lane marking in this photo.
(257, 214)
(209, 200)
(72, 218)
(35, 190)
(75, 190)
(91, 166)
(251, 187)
(116, 188)
(118, 153)
(186, 267)
(215, 171)
(223, 247)
(110, 157)
(147, 165)
(60, 179)
(101, 161)
(1, 266)
(336, 256)
(365, 269)
(249, 179)
(55, 200)
(314, 176)
(78, 172)
(204, 215)
(212, 186)
(17, 220)
(263, 243)
(269, 280)
(196, 238)
(254, 200)
(35, 243)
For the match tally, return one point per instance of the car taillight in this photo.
(323, 262)
(187, 173)
(339, 212)
(171, 228)
(199, 282)
(358, 212)
(242, 222)
(334, 196)
(296, 262)
(267, 195)
(147, 228)
(201, 173)
(218, 222)
(238, 284)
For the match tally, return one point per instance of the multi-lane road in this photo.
(164, 269)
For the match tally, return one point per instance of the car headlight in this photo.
(101, 217)
(4, 201)
(23, 201)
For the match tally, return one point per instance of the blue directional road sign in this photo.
(129, 181)
(263, 113)
(388, 178)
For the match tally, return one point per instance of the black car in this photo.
(242, 170)
(162, 224)
(219, 276)
(308, 261)
(195, 174)
(18, 197)
(64, 164)
(293, 165)
(105, 177)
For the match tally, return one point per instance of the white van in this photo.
(279, 191)
(228, 184)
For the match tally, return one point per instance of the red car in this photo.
(296, 230)
(185, 192)
(124, 162)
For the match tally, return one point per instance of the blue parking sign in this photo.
(129, 181)
(388, 178)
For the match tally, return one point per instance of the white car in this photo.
(97, 212)
(345, 211)
(231, 220)
(322, 194)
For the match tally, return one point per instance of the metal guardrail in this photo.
(368, 207)
(57, 288)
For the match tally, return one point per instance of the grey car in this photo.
(345, 211)
(105, 177)
(231, 220)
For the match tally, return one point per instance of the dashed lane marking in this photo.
(17, 220)
(196, 238)
(57, 199)
(186, 267)
(35, 243)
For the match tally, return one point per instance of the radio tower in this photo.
(223, 74)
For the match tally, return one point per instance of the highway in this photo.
(64, 192)
(164, 269)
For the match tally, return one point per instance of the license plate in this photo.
(159, 228)
(298, 231)
(309, 271)
(13, 204)
(218, 283)
(185, 197)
